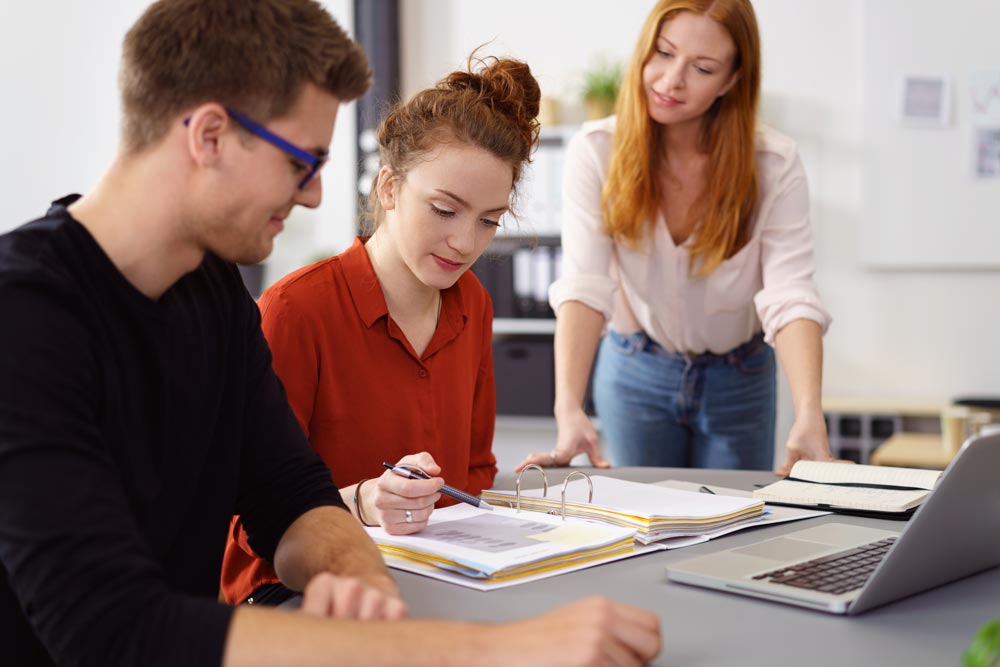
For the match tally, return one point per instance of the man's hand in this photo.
(330, 540)
(589, 632)
(349, 598)
(586, 633)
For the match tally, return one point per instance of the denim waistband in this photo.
(641, 341)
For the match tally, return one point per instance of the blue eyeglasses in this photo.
(312, 162)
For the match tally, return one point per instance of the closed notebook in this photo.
(843, 486)
(653, 512)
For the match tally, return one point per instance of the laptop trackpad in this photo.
(784, 548)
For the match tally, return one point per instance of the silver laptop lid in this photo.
(955, 533)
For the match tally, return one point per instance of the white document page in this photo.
(856, 497)
(771, 514)
(646, 501)
(481, 543)
(826, 472)
(432, 572)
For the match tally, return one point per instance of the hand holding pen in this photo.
(398, 504)
(414, 472)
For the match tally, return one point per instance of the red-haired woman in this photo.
(686, 233)
(385, 350)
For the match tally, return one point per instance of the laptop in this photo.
(848, 569)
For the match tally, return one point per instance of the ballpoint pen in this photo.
(413, 472)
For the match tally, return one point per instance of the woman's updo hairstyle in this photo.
(492, 105)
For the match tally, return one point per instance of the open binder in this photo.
(486, 550)
(530, 535)
(653, 512)
(875, 491)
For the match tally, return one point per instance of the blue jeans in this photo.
(660, 408)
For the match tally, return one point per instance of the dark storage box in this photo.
(524, 376)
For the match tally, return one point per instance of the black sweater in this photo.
(131, 431)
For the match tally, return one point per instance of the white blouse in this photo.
(763, 287)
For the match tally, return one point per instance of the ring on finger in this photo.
(409, 516)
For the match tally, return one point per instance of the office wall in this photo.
(922, 171)
(59, 119)
(926, 334)
(896, 334)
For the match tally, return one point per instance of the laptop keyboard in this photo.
(837, 573)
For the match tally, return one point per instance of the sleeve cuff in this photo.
(776, 311)
(594, 291)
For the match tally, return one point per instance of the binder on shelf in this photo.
(524, 300)
(541, 278)
(865, 490)
(654, 513)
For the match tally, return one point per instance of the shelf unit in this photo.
(523, 326)
(857, 427)
(517, 270)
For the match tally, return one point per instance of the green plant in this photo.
(602, 81)
(984, 651)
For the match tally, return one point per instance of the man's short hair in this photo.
(251, 55)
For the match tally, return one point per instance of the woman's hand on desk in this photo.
(576, 434)
(347, 598)
(593, 631)
(403, 506)
(806, 441)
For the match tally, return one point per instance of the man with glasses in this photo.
(138, 408)
(308, 163)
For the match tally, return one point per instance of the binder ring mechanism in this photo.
(545, 487)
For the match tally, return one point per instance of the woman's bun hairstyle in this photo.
(507, 87)
(492, 105)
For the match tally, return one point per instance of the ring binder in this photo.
(517, 484)
(590, 484)
(654, 512)
(486, 550)
(545, 487)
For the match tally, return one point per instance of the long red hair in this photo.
(631, 194)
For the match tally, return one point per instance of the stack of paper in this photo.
(653, 512)
(771, 514)
(502, 546)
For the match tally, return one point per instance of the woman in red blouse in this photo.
(385, 350)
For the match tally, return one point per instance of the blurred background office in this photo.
(907, 222)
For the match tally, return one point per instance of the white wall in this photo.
(558, 38)
(901, 334)
(916, 334)
(59, 119)
(896, 334)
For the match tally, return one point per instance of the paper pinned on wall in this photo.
(984, 93)
(925, 100)
(984, 90)
(986, 152)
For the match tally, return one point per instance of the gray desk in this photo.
(702, 627)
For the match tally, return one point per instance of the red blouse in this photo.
(363, 396)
